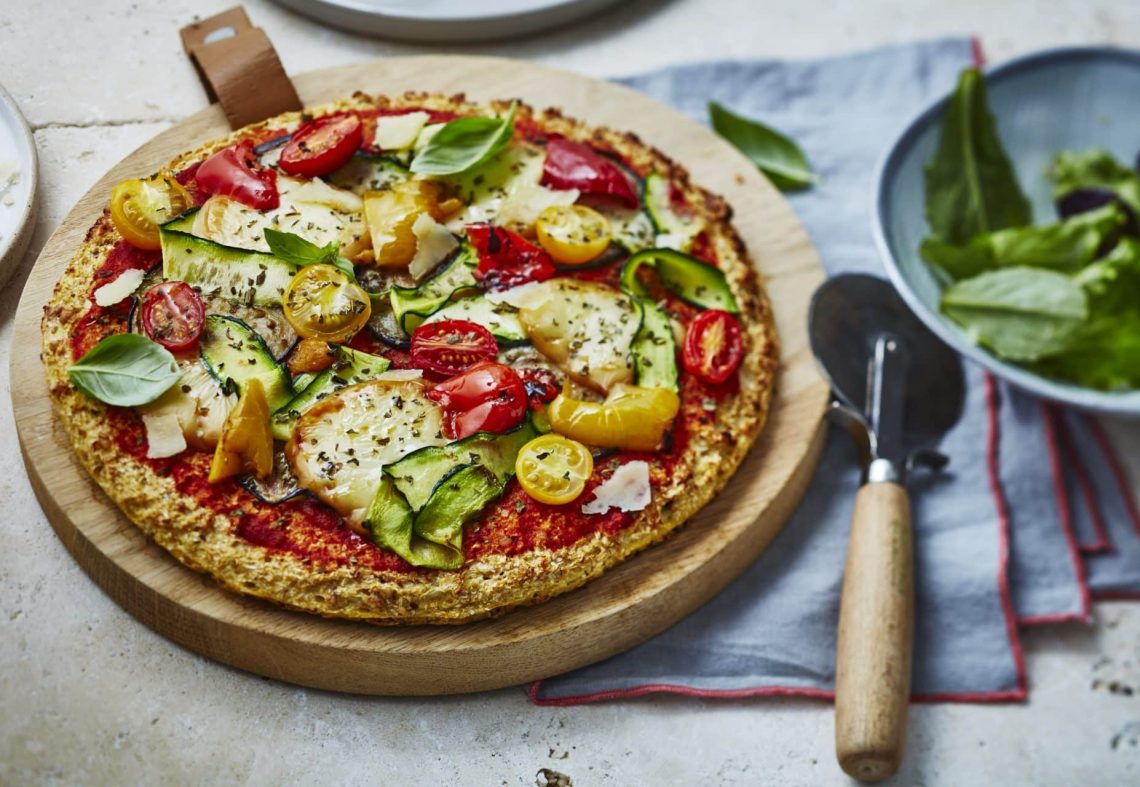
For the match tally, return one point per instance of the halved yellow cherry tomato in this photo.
(139, 206)
(246, 443)
(553, 469)
(573, 234)
(631, 417)
(322, 302)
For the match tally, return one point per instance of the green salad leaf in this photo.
(125, 369)
(1022, 314)
(1104, 354)
(971, 187)
(1063, 299)
(1065, 245)
(1095, 169)
(295, 249)
(464, 144)
(777, 156)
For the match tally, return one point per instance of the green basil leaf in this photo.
(344, 266)
(125, 369)
(1022, 314)
(464, 143)
(774, 154)
(1095, 169)
(971, 187)
(295, 249)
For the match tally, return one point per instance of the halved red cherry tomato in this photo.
(488, 397)
(541, 385)
(322, 145)
(713, 346)
(572, 165)
(449, 347)
(173, 314)
(236, 172)
(507, 259)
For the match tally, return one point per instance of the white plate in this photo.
(446, 20)
(17, 200)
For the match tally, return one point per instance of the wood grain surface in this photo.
(623, 608)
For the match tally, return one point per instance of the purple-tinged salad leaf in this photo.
(1095, 169)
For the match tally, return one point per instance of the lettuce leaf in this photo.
(971, 187)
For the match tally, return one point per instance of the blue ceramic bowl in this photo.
(1061, 99)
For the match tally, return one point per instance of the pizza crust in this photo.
(207, 542)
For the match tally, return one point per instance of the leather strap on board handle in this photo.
(239, 68)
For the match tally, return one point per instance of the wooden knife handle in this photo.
(876, 635)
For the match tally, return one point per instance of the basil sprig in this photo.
(777, 156)
(464, 143)
(125, 369)
(295, 249)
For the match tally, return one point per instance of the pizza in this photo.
(411, 359)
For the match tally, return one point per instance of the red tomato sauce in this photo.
(102, 321)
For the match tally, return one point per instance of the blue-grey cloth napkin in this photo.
(1012, 532)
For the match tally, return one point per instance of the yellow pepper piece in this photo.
(246, 443)
(631, 417)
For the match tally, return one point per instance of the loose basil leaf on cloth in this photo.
(1022, 314)
(125, 369)
(1066, 245)
(295, 249)
(464, 143)
(1094, 170)
(971, 187)
(774, 154)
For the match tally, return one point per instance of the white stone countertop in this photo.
(90, 696)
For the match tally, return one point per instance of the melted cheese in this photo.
(316, 211)
(340, 445)
(584, 327)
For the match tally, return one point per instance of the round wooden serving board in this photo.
(621, 609)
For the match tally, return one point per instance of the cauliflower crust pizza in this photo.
(412, 359)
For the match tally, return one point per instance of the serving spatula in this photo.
(897, 385)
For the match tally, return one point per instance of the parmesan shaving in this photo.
(123, 285)
(400, 375)
(520, 209)
(163, 434)
(317, 192)
(433, 244)
(626, 490)
(398, 132)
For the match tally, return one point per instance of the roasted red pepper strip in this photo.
(572, 165)
(236, 172)
(507, 259)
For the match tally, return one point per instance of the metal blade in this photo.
(886, 397)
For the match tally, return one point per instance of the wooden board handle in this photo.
(876, 635)
(239, 68)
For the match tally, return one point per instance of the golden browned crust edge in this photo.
(206, 542)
